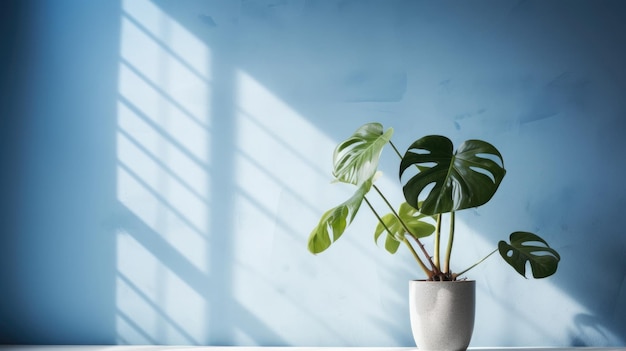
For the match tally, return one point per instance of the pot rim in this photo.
(441, 281)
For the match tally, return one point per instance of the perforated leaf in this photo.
(466, 178)
(528, 247)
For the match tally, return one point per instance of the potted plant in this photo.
(436, 181)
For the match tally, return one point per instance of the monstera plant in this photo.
(436, 181)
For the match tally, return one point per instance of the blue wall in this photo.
(163, 163)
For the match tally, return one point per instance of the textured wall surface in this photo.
(163, 163)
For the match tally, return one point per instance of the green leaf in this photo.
(356, 159)
(528, 247)
(467, 178)
(335, 221)
(411, 218)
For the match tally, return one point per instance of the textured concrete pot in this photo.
(442, 314)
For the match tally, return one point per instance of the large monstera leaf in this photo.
(335, 221)
(356, 159)
(466, 178)
(413, 220)
(528, 247)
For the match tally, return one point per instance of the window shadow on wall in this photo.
(205, 264)
(176, 185)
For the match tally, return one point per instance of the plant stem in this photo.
(415, 255)
(477, 263)
(446, 267)
(435, 270)
(434, 267)
(395, 149)
(428, 272)
(437, 243)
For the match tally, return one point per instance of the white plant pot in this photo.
(442, 314)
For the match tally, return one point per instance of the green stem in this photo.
(428, 272)
(395, 149)
(435, 268)
(437, 243)
(417, 258)
(446, 268)
(477, 263)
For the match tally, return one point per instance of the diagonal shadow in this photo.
(197, 280)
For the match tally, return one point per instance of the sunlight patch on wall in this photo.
(280, 184)
(166, 53)
(171, 98)
(163, 167)
(274, 145)
(154, 303)
(163, 160)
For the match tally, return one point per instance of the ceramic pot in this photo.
(442, 314)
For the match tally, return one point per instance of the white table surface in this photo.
(243, 348)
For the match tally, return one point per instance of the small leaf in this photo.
(336, 220)
(414, 221)
(391, 244)
(389, 221)
(355, 160)
(528, 247)
(411, 218)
